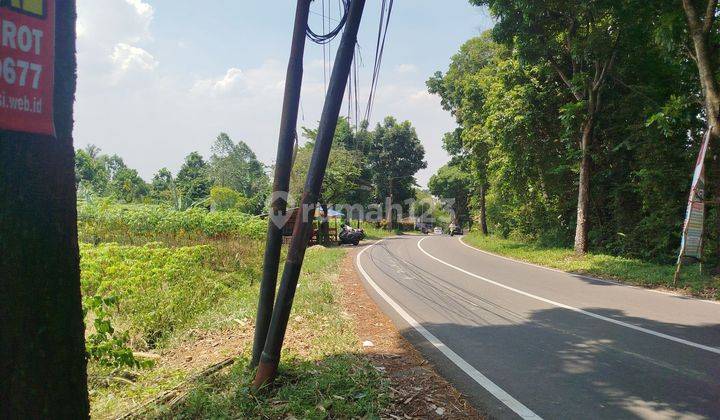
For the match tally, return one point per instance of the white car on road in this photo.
(438, 231)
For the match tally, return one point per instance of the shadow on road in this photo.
(561, 363)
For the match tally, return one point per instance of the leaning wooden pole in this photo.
(42, 349)
(303, 227)
(281, 184)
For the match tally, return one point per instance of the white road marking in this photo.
(644, 289)
(574, 309)
(513, 404)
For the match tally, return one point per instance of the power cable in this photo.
(379, 51)
(325, 38)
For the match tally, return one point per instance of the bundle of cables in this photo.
(325, 38)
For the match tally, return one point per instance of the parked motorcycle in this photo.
(349, 235)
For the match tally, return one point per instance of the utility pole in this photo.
(281, 183)
(43, 371)
(303, 227)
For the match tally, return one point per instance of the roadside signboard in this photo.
(27, 57)
(691, 246)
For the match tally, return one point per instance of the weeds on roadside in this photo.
(622, 269)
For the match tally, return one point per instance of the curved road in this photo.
(525, 341)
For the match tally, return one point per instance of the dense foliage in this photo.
(366, 166)
(233, 169)
(580, 122)
(107, 221)
(159, 288)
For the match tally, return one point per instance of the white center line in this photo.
(513, 404)
(574, 309)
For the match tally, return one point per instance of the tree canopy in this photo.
(521, 132)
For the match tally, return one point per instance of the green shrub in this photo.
(223, 198)
(105, 345)
(108, 222)
(161, 289)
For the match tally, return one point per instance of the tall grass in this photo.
(622, 269)
(128, 223)
(162, 289)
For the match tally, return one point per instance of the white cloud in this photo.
(142, 8)
(423, 96)
(267, 79)
(406, 68)
(218, 85)
(113, 43)
(127, 58)
(111, 21)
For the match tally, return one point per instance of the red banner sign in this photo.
(27, 65)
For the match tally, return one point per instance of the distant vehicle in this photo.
(455, 230)
(438, 231)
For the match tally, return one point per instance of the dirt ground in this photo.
(417, 390)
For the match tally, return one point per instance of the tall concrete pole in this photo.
(303, 227)
(281, 184)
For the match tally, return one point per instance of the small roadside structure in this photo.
(293, 214)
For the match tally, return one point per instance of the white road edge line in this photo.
(616, 283)
(513, 404)
(574, 309)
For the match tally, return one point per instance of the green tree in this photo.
(91, 175)
(163, 187)
(690, 33)
(192, 180)
(235, 166)
(452, 182)
(395, 156)
(581, 41)
(345, 175)
(105, 175)
(223, 198)
(128, 186)
(508, 137)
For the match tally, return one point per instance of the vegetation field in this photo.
(165, 291)
(628, 270)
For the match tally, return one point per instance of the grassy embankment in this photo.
(374, 233)
(184, 279)
(625, 270)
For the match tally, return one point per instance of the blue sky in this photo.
(161, 78)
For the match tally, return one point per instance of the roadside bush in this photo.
(223, 198)
(105, 345)
(161, 289)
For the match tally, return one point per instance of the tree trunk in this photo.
(582, 228)
(483, 212)
(389, 202)
(700, 35)
(42, 348)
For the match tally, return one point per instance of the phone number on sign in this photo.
(20, 72)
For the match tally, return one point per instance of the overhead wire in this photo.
(324, 51)
(324, 38)
(379, 51)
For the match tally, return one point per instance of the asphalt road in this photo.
(524, 341)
